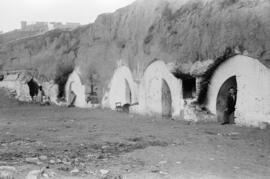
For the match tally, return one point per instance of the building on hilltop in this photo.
(46, 26)
(34, 26)
(59, 25)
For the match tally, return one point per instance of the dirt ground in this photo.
(84, 143)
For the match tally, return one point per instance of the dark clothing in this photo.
(230, 105)
(228, 117)
(72, 100)
(230, 108)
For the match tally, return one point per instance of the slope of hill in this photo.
(15, 35)
(177, 32)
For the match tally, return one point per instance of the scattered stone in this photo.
(76, 160)
(113, 176)
(7, 172)
(162, 162)
(58, 161)
(43, 157)
(45, 175)
(34, 174)
(48, 173)
(52, 161)
(66, 162)
(154, 171)
(90, 172)
(210, 132)
(212, 159)
(67, 126)
(233, 133)
(64, 168)
(104, 172)
(33, 160)
(74, 171)
(163, 173)
(52, 130)
(178, 163)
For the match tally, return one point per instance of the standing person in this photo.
(39, 95)
(72, 99)
(230, 107)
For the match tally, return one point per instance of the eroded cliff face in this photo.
(178, 32)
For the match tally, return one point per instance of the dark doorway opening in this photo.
(222, 96)
(128, 93)
(166, 100)
(189, 88)
(33, 88)
(1, 77)
(70, 95)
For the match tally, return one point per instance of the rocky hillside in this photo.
(179, 32)
(15, 35)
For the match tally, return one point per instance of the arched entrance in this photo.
(166, 100)
(222, 96)
(33, 88)
(128, 92)
(70, 96)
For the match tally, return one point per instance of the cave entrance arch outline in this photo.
(166, 100)
(69, 91)
(230, 82)
(128, 92)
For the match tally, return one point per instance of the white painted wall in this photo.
(8, 84)
(150, 92)
(253, 85)
(12, 82)
(23, 92)
(117, 88)
(74, 83)
(51, 90)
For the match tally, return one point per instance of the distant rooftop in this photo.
(46, 26)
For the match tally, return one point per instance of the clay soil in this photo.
(106, 144)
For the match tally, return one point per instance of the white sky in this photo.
(82, 11)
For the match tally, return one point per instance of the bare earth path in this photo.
(126, 146)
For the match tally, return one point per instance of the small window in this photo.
(1, 77)
(189, 88)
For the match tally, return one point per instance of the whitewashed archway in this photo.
(74, 84)
(253, 89)
(151, 90)
(122, 88)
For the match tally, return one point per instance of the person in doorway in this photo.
(230, 107)
(72, 99)
(40, 95)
